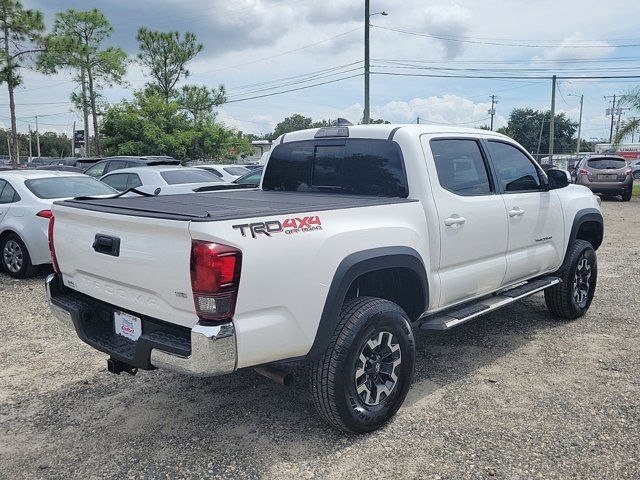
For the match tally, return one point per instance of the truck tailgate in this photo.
(150, 274)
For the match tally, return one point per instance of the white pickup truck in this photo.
(357, 236)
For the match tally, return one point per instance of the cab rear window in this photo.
(349, 166)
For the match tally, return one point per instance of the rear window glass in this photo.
(67, 187)
(236, 170)
(607, 163)
(180, 176)
(352, 166)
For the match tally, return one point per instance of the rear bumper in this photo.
(612, 188)
(201, 351)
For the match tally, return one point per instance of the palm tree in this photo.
(631, 100)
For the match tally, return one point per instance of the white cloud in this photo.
(577, 46)
(255, 124)
(444, 109)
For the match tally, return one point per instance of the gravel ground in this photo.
(512, 395)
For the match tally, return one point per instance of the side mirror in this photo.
(558, 178)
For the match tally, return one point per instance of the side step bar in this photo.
(458, 315)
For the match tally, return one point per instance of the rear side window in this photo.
(96, 170)
(116, 165)
(7, 193)
(118, 181)
(181, 176)
(606, 163)
(460, 166)
(515, 171)
(351, 166)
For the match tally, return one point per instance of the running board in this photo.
(457, 315)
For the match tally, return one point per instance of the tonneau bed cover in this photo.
(219, 206)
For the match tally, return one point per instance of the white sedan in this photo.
(161, 180)
(227, 173)
(25, 209)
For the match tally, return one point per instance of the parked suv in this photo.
(110, 164)
(606, 174)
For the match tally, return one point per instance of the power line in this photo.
(514, 62)
(306, 76)
(300, 82)
(452, 38)
(294, 89)
(520, 77)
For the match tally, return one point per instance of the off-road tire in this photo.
(334, 376)
(560, 298)
(26, 269)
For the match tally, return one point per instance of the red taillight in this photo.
(582, 171)
(215, 275)
(52, 248)
(45, 214)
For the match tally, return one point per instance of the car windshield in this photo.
(237, 171)
(607, 163)
(67, 187)
(180, 176)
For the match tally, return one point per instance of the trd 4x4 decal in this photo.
(289, 226)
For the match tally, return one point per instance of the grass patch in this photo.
(636, 189)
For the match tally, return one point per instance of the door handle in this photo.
(454, 220)
(516, 212)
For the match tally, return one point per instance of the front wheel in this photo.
(626, 196)
(363, 377)
(572, 297)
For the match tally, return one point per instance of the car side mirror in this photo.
(558, 178)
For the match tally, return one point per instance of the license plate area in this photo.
(126, 325)
(607, 176)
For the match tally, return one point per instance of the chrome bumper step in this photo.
(457, 315)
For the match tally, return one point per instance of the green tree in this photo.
(199, 100)
(524, 127)
(76, 43)
(632, 100)
(379, 121)
(165, 55)
(21, 32)
(151, 125)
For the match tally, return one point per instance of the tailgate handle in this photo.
(107, 245)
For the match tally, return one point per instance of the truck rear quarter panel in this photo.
(286, 275)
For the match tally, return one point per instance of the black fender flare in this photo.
(349, 270)
(582, 216)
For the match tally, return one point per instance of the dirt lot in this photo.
(513, 395)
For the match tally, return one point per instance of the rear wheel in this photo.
(626, 196)
(16, 261)
(572, 297)
(636, 174)
(363, 377)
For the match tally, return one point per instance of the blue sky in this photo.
(248, 42)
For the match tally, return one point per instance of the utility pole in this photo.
(367, 18)
(417, 120)
(552, 118)
(492, 110)
(30, 154)
(73, 143)
(613, 113)
(37, 137)
(540, 138)
(579, 125)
